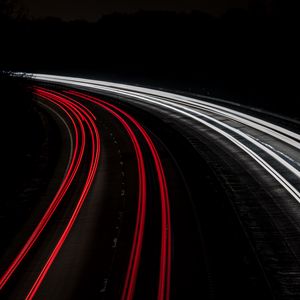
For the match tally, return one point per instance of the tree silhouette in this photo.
(10, 10)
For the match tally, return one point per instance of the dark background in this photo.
(91, 10)
(244, 51)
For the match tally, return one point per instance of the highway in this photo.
(162, 196)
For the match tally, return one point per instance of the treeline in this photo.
(240, 55)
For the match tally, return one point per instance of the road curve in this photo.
(255, 160)
(192, 108)
(83, 121)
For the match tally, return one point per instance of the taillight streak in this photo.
(165, 256)
(134, 260)
(86, 116)
(70, 174)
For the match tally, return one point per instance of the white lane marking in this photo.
(293, 161)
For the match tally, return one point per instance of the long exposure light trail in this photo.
(94, 162)
(165, 258)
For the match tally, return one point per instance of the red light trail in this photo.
(83, 125)
(85, 116)
(70, 174)
(165, 256)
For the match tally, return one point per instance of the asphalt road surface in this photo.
(158, 195)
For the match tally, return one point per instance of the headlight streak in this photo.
(169, 96)
(201, 112)
(149, 95)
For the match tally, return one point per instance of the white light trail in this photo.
(189, 107)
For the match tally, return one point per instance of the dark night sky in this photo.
(91, 10)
